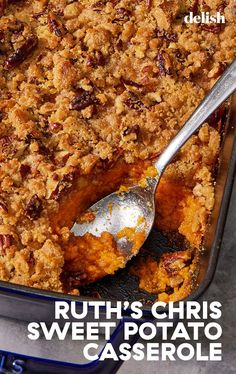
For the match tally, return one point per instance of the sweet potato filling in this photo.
(89, 258)
(179, 210)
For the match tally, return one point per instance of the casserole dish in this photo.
(81, 82)
(28, 304)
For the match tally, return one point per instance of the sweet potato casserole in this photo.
(90, 93)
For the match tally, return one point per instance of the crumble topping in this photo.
(84, 84)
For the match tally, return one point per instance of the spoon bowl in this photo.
(131, 209)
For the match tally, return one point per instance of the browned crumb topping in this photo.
(84, 83)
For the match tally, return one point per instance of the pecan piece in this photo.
(22, 52)
(222, 7)
(122, 15)
(38, 15)
(34, 207)
(42, 149)
(194, 7)
(55, 126)
(119, 45)
(5, 243)
(217, 117)
(65, 183)
(83, 100)
(165, 35)
(3, 5)
(98, 5)
(24, 170)
(55, 25)
(163, 64)
(131, 83)
(5, 141)
(180, 55)
(133, 102)
(55, 177)
(214, 28)
(173, 262)
(2, 36)
(48, 98)
(16, 1)
(62, 161)
(3, 205)
(96, 60)
(114, 2)
(132, 130)
(149, 4)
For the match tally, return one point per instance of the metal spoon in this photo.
(136, 208)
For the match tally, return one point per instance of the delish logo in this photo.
(205, 17)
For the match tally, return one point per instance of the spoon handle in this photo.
(222, 89)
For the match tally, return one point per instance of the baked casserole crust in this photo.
(90, 93)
